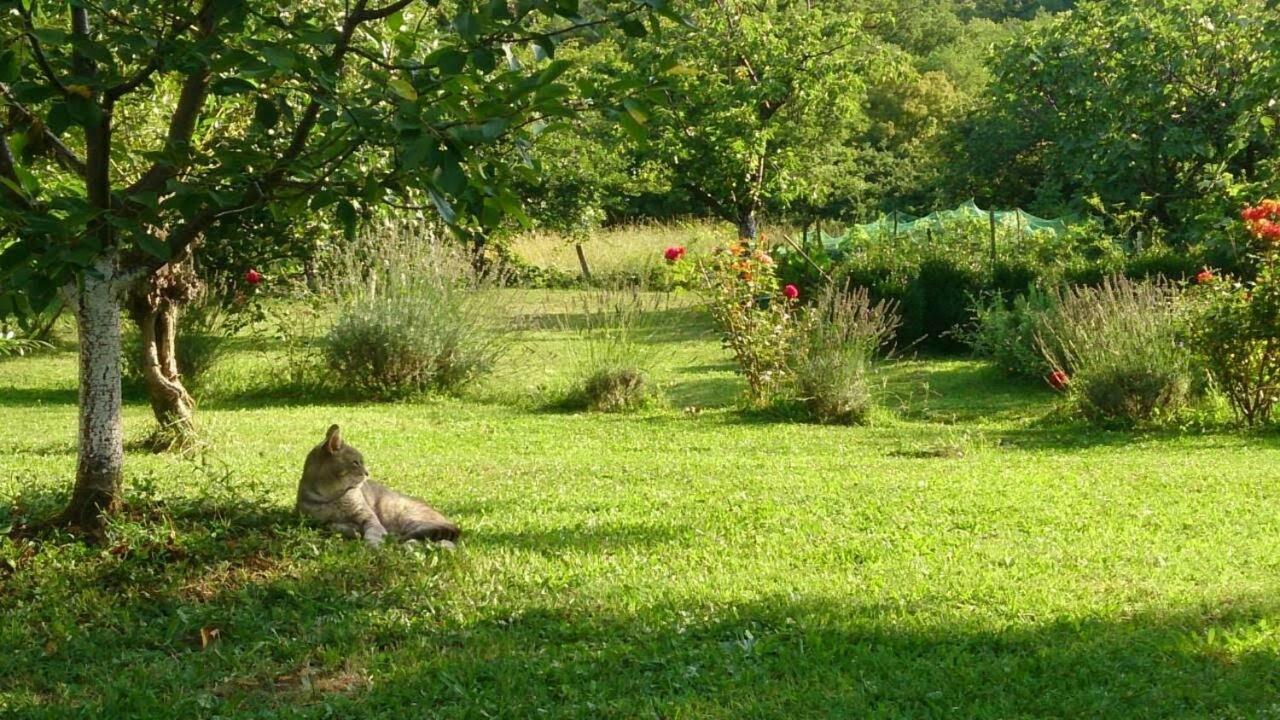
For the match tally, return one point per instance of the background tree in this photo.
(275, 109)
(757, 90)
(1166, 107)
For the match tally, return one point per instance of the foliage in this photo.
(840, 337)
(1008, 332)
(1164, 108)
(756, 319)
(1120, 347)
(757, 92)
(413, 315)
(13, 344)
(331, 109)
(1236, 326)
(934, 273)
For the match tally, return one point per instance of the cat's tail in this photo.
(435, 531)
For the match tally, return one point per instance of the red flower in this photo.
(1270, 231)
(1204, 276)
(1059, 380)
(674, 253)
(791, 291)
(253, 277)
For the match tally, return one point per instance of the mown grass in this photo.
(968, 555)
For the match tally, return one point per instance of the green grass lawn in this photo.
(969, 555)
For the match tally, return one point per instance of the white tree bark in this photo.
(101, 440)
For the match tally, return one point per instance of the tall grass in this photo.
(616, 253)
(1119, 344)
(611, 359)
(414, 313)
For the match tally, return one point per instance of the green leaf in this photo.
(442, 206)
(265, 113)
(152, 246)
(9, 66)
(636, 111)
(450, 176)
(493, 128)
(544, 48)
(279, 58)
(416, 152)
(347, 216)
(231, 86)
(498, 10)
(681, 70)
(632, 128)
(91, 49)
(402, 88)
(633, 28)
(449, 60)
(483, 59)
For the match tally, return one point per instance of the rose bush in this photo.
(1237, 327)
(740, 283)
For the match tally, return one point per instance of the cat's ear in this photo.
(333, 439)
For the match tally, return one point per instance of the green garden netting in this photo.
(898, 224)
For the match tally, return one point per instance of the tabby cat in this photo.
(336, 491)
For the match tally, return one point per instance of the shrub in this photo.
(1007, 332)
(611, 359)
(1118, 345)
(1236, 328)
(615, 390)
(945, 289)
(755, 315)
(414, 315)
(839, 339)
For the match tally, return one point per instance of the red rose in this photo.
(791, 291)
(1270, 230)
(1204, 276)
(674, 253)
(1059, 380)
(253, 277)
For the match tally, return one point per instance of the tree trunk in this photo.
(154, 305)
(100, 456)
(747, 225)
(172, 405)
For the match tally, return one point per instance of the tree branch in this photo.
(146, 71)
(361, 16)
(63, 154)
(42, 62)
(7, 172)
(183, 121)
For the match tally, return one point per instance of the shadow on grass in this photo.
(671, 325)
(37, 396)
(701, 392)
(959, 391)
(782, 657)
(207, 607)
(286, 396)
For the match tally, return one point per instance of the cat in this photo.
(336, 491)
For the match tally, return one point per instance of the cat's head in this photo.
(333, 465)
